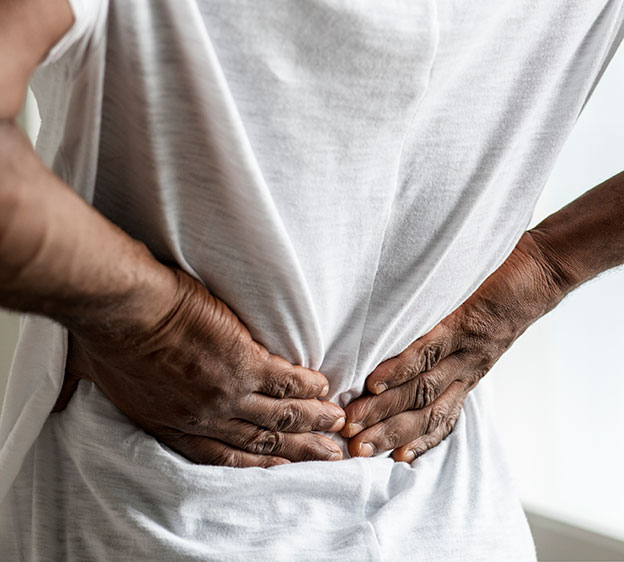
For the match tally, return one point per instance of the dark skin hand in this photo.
(413, 400)
(168, 353)
(199, 383)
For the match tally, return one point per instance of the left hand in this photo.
(415, 398)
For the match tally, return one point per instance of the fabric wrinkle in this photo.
(342, 176)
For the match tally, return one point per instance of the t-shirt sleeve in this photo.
(89, 24)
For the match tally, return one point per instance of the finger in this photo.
(412, 395)
(407, 453)
(435, 435)
(205, 450)
(293, 415)
(282, 379)
(292, 446)
(408, 426)
(422, 355)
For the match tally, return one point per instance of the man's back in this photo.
(343, 178)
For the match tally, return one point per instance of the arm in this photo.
(586, 237)
(61, 258)
(58, 256)
(416, 397)
(166, 352)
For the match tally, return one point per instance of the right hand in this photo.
(201, 385)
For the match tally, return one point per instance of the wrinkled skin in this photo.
(200, 384)
(413, 400)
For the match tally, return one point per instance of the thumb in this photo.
(420, 356)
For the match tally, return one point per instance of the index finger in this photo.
(281, 379)
(420, 356)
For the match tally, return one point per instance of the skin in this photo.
(414, 399)
(199, 383)
(428, 382)
(177, 361)
(167, 352)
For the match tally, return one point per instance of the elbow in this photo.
(11, 103)
(13, 87)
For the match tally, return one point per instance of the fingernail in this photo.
(335, 457)
(366, 450)
(380, 387)
(409, 455)
(352, 429)
(338, 424)
(325, 390)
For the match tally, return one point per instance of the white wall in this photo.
(558, 394)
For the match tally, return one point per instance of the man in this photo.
(306, 219)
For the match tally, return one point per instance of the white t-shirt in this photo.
(343, 175)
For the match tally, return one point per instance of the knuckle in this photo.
(288, 387)
(489, 356)
(450, 421)
(436, 417)
(449, 424)
(265, 442)
(477, 327)
(431, 355)
(273, 388)
(423, 392)
(289, 419)
(391, 440)
(280, 387)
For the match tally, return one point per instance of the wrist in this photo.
(538, 287)
(149, 293)
(59, 257)
(562, 272)
(584, 238)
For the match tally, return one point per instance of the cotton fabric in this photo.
(343, 175)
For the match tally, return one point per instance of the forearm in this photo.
(59, 257)
(586, 237)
